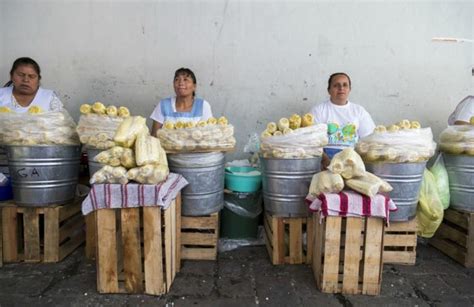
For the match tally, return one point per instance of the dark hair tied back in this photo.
(24, 61)
(338, 74)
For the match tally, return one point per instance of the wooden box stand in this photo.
(400, 243)
(284, 239)
(137, 249)
(35, 234)
(347, 255)
(199, 237)
(455, 236)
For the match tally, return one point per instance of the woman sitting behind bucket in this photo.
(24, 91)
(463, 113)
(184, 106)
(347, 121)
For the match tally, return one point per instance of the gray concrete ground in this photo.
(242, 277)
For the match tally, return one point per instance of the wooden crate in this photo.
(400, 243)
(284, 239)
(455, 236)
(347, 255)
(137, 249)
(35, 234)
(199, 237)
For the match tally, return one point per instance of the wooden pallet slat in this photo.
(373, 256)
(32, 235)
(52, 236)
(154, 283)
(107, 274)
(350, 281)
(132, 250)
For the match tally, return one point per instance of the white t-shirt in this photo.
(346, 124)
(464, 111)
(45, 99)
(166, 111)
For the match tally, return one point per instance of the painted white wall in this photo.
(255, 61)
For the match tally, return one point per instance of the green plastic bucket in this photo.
(240, 216)
(243, 179)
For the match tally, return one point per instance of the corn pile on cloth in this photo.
(132, 195)
(349, 203)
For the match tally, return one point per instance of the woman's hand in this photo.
(156, 126)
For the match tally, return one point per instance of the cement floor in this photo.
(242, 277)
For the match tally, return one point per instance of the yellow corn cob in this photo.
(287, 130)
(223, 121)
(265, 134)
(404, 124)
(35, 110)
(363, 186)
(415, 125)
(179, 125)
(98, 107)
(295, 121)
(5, 110)
(471, 120)
(212, 121)
(111, 111)
(271, 127)
(393, 128)
(283, 123)
(147, 150)
(168, 125)
(190, 125)
(201, 123)
(307, 120)
(277, 133)
(380, 129)
(129, 129)
(85, 108)
(123, 112)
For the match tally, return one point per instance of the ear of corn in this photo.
(35, 110)
(85, 108)
(111, 110)
(123, 112)
(222, 121)
(271, 127)
(190, 124)
(415, 125)
(307, 120)
(212, 121)
(380, 129)
(147, 150)
(201, 123)
(98, 107)
(168, 125)
(295, 121)
(393, 128)
(129, 129)
(283, 124)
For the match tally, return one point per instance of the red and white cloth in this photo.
(132, 195)
(350, 203)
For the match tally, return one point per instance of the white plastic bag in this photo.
(98, 130)
(304, 142)
(405, 145)
(442, 180)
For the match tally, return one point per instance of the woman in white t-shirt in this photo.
(184, 106)
(24, 91)
(347, 121)
(463, 112)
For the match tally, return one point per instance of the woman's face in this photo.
(184, 86)
(339, 89)
(25, 80)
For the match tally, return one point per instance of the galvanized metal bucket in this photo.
(93, 166)
(285, 185)
(43, 175)
(405, 178)
(461, 181)
(205, 174)
(4, 162)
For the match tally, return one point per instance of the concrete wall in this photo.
(255, 61)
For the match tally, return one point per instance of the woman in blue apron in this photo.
(24, 91)
(185, 106)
